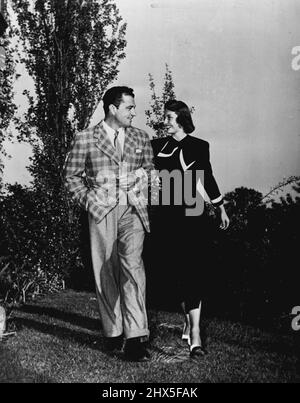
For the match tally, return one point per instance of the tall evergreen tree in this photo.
(7, 76)
(72, 49)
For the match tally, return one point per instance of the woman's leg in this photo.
(186, 326)
(196, 348)
(194, 319)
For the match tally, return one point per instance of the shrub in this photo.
(40, 242)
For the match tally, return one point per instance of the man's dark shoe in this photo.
(136, 351)
(114, 344)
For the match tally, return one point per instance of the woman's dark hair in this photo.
(184, 117)
(114, 96)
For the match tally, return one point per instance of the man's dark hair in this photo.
(184, 117)
(114, 96)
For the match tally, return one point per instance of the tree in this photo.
(72, 50)
(259, 251)
(155, 115)
(7, 106)
(242, 203)
(283, 237)
(293, 180)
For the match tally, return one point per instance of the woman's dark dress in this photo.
(180, 242)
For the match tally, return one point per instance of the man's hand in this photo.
(224, 218)
(127, 181)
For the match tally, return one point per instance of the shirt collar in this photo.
(111, 131)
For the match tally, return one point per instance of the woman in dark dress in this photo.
(178, 225)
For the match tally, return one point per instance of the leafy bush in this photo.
(254, 260)
(20, 284)
(40, 242)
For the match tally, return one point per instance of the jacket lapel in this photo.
(104, 144)
(129, 144)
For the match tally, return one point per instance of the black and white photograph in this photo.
(149, 194)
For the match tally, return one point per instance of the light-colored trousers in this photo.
(116, 246)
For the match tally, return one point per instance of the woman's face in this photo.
(170, 123)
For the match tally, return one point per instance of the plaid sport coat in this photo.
(92, 166)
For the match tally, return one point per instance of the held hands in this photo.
(224, 218)
(127, 181)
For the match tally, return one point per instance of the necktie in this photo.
(117, 145)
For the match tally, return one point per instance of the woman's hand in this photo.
(224, 218)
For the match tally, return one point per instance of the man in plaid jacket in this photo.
(103, 171)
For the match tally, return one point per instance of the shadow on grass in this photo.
(72, 318)
(166, 354)
(272, 344)
(244, 338)
(94, 341)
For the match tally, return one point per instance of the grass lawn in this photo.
(58, 339)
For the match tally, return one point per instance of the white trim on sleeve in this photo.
(217, 200)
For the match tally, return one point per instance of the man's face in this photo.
(125, 112)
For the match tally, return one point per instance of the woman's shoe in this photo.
(197, 351)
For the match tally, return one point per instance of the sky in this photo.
(234, 62)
